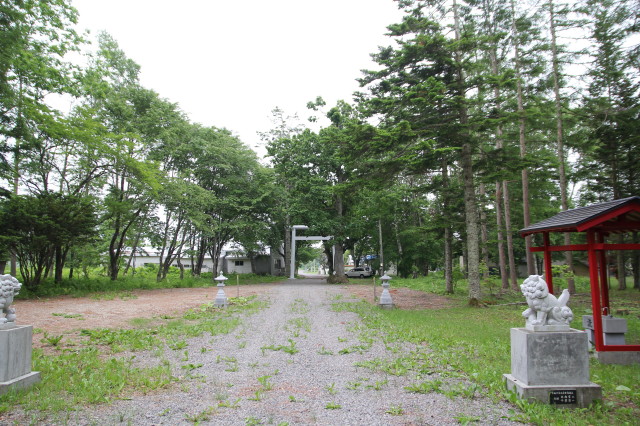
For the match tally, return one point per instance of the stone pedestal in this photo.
(551, 367)
(15, 358)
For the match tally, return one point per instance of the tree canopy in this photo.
(478, 118)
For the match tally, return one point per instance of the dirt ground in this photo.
(403, 298)
(69, 315)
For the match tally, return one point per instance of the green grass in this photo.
(624, 304)
(99, 286)
(474, 344)
(91, 371)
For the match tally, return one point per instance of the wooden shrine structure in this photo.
(597, 221)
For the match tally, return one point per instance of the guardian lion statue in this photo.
(544, 308)
(9, 287)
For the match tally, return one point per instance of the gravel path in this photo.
(249, 378)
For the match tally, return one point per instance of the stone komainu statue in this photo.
(9, 287)
(544, 308)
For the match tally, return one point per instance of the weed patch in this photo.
(290, 348)
(89, 373)
(473, 345)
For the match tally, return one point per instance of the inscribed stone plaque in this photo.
(565, 396)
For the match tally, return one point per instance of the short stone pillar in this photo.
(550, 360)
(15, 357)
(613, 329)
(221, 298)
(385, 298)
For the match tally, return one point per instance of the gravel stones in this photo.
(293, 362)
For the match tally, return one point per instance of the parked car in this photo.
(361, 271)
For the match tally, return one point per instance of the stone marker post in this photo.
(385, 298)
(221, 298)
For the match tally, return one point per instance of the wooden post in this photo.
(374, 289)
(238, 284)
(548, 272)
(604, 276)
(595, 290)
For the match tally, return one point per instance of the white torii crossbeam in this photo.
(294, 238)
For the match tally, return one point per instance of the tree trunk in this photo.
(501, 257)
(483, 234)
(203, 248)
(568, 256)
(60, 255)
(507, 222)
(620, 261)
(71, 268)
(531, 266)
(338, 263)
(471, 221)
(636, 263)
(13, 261)
(329, 254)
(287, 246)
(397, 235)
(448, 236)
(165, 235)
(381, 248)
(135, 245)
(495, 70)
(338, 259)
(466, 159)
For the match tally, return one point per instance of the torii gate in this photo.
(295, 228)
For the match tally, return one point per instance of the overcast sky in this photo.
(229, 63)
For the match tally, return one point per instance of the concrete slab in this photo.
(618, 357)
(568, 396)
(21, 382)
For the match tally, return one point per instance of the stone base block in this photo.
(21, 382)
(618, 357)
(549, 358)
(15, 357)
(15, 351)
(565, 396)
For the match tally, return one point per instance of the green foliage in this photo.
(290, 348)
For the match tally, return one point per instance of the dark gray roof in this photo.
(572, 218)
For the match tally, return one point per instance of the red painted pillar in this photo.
(548, 273)
(595, 290)
(604, 277)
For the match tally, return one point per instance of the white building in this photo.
(231, 261)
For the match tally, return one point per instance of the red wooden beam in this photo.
(620, 348)
(624, 246)
(608, 216)
(585, 247)
(560, 229)
(621, 225)
(571, 247)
